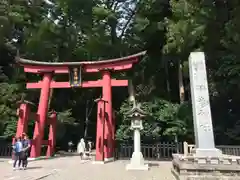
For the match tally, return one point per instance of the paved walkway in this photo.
(72, 168)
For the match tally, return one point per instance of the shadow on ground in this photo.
(153, 164)
(66, 154)
(36, 167)
(5, 158)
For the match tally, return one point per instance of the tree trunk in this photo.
(86, 121)
(181, 88)
(50, 98)
(88, 112)
(167, 77)
(131, 92)
(180, 83)
(176, 141)
(86, 128)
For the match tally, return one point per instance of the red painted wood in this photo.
(87, 84)
(117, 66)
(23, 116)
(105, 126)
(97, 63)
(113, 130)
(55, 84)
(52, 135)
(42, 116)
(107, 96)
(116, 82)
(100, 131)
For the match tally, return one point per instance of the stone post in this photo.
(203, 129)
(137, 141)
(205, 162)
(137, 160)
(185, 148)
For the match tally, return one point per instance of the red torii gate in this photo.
(24, 115)
(105, 131)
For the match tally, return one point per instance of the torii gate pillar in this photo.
(108, 133)
(41, 115)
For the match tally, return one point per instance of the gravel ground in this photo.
(72, 168)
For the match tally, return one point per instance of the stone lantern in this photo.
(137, 161)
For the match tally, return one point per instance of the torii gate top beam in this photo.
(117, 64)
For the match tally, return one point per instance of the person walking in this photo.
(25, 152)
(70, 146)
(17, 148)
(90, 146)
(81, 148)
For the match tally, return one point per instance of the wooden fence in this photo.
(164, 150)
(230, 150)
(158, 151)
(5, 150)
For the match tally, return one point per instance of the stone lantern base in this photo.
(137, 162)
(206, 168)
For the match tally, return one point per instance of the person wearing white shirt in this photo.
(81, 148)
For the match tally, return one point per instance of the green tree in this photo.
(164, 119)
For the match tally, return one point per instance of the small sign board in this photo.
(75, 76)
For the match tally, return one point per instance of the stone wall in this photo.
(206, 168)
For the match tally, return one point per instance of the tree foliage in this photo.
(164, 119)
(77, 30)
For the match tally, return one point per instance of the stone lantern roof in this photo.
(136, 111)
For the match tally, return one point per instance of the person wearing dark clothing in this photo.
(25, 152)
(70, 146)
(17, 149)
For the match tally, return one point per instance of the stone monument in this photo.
(137, 160)
(202, 119)
(206, 162)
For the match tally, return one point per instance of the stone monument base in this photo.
(137, 162)
(206, 168)
(207, 152)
